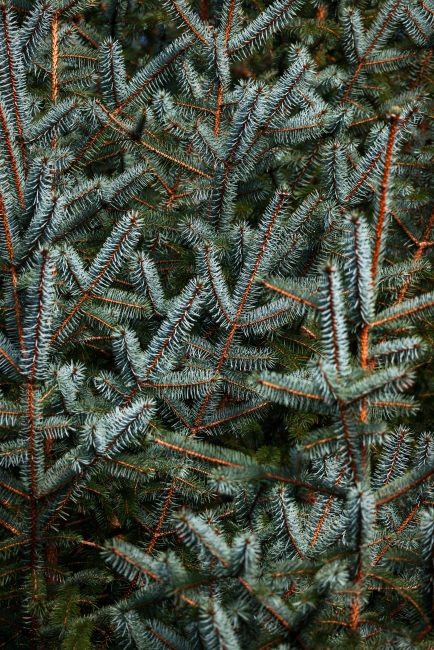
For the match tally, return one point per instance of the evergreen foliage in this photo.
(216, 325)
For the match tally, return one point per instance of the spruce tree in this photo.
(216, 325)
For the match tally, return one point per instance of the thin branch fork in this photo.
(87, 294)
(112, 117)
(421, 244)
(369, 50)
(223, 356)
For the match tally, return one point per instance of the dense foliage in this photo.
(216, 325)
